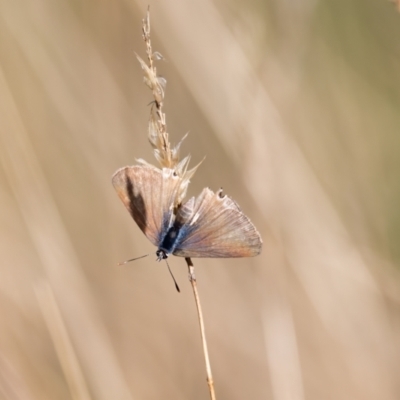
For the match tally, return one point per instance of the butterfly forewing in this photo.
(218, 228)
(149, 195)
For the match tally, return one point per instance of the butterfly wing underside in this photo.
(149, 195)
(215, 227)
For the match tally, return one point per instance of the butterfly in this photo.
(211, 225)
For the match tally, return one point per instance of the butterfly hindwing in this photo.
(216, 228)
(149, 195)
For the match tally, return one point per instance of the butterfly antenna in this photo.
(169, 269)
(132, 259)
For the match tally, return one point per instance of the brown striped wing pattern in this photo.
(215, 227)
(149, 195)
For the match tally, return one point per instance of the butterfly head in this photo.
(161, 255)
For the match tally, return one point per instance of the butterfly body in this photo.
(172, 239)
(211, 225)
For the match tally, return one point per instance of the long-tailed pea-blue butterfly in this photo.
(210, 225)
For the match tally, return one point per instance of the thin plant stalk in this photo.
(168, 157)
(192, 279)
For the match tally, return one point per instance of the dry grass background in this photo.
(295, 105)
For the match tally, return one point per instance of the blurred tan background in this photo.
(295, 106)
